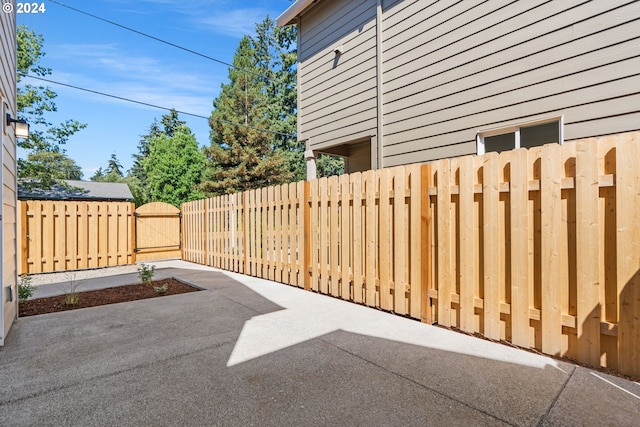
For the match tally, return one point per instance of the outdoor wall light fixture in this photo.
(22, 127)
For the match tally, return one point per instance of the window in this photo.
(525, 136)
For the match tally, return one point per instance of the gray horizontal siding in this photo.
(431, 153)
(338, 94)
(332, 22)
(452, 68)
(355, 69)
(528, 62)
(603, 126)
(618, 119)
(612, 80)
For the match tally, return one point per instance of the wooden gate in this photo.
(157, 232)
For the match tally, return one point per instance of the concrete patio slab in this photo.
(247, 351)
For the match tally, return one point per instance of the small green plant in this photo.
(146, 272)
(25, 288)
(161, 289)
(71, 294)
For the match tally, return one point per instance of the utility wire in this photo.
(158, 106)
(159, 39)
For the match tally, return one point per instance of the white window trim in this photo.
(482, 134)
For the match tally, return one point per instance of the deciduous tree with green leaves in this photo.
(57, 164)
(34, 104)
(168, 124)
(174, 167)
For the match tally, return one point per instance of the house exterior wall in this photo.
(337, 100)
(8, 309)
(449, 70)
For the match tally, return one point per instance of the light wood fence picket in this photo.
(538, 247)
(69, 235)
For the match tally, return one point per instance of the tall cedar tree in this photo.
(241, 156)
(276, 56)
(174, 167)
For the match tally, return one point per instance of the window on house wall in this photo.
(522, 136)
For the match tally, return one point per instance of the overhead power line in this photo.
(121, 98)
(158, 39)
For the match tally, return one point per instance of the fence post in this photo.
(132, 234)
(306, 244)
(22, 226)
(205, 229)
(425, 247)
(245, 243)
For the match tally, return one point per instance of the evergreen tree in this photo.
(114, 166)
(276, 57)
(98, 175)
(113, 173)
(170, 123)
(174, 167)
(241, 155)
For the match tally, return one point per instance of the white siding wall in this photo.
(8, 179)
(453, 68)
(338, 93)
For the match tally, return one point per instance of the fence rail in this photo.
(537, 247)
(66, 235)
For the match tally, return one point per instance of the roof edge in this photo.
(288, 17)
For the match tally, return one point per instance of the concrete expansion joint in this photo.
(253, 310)
(424, 386)
(555, 400)
(113, 374)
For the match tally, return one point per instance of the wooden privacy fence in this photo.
(541, 248)
(68, 235)
(157, 232)
(76, 235)
(537, 247)
(348, 249)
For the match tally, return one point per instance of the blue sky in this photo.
(92, 54)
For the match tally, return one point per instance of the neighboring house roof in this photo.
(79, 190)
(289, 16)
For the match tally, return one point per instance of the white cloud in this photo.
(192, 7)
(109, 58)
(218, 17)
(236, 23)
(109, 69)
